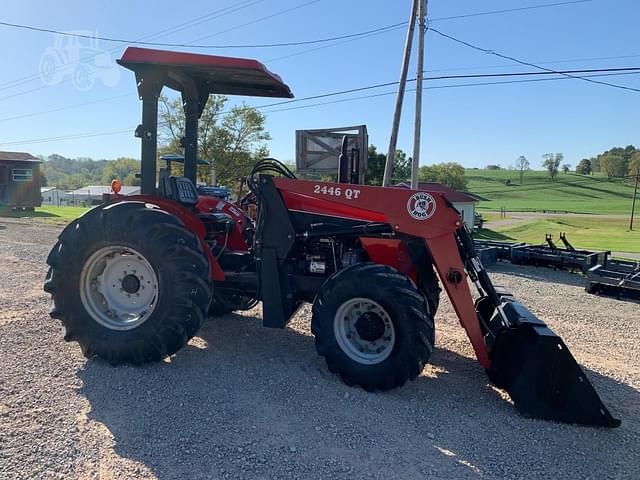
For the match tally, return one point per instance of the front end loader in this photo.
(133, 279)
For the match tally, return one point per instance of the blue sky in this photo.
(470, 125)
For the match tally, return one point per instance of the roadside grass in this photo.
(570, 192)
(594, 233)
(47, 214)
(490, 216)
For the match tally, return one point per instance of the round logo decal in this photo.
(421, 206)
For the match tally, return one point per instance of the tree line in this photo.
(73, 173)
(615, 163)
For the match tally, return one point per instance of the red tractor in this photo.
(133, 279)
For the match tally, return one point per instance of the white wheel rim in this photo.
(118, 288)
(364, 331)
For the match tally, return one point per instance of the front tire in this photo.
(373, 326)
(129, 282)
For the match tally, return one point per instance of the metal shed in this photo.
(19, 180)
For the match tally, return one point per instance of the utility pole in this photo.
(635, 194)
(393, 141)
(422, 13)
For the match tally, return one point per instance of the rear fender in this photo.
(186, 216)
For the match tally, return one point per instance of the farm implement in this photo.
(610, 276)
(134, 278)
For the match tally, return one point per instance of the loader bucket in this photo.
(535, 367)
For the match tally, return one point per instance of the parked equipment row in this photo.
(603, 274)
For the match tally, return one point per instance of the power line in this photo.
(253, 22)
(167, 31)
(442, 77)
(546, 62)
(509, 10)
(128, 130)
(402, 24)
(342, 42)
(245, 4)
(191, 45)
(522, 62)
(211, 16)
(265, 45)
(69, 107)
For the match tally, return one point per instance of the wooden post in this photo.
(635, 194)
(422, 13)
(393, 141)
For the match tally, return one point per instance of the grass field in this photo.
(569, 192)
(597, 232)
(48, 214)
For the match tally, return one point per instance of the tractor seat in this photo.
(217, 223)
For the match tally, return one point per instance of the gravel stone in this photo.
(244, 402)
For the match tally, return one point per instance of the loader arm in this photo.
(391, 205)
(519, 351)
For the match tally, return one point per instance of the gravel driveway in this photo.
(246, 402)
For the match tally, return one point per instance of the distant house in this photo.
(95, 194)
(463, 202)
(51, 196)
(19, 180)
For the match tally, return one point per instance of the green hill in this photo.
(569, 192)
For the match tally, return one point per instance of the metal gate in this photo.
(318, 151)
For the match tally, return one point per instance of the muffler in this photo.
(536, 368)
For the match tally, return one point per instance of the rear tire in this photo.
(102, 316)
(373, 326)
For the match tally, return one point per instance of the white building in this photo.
(94, 194)
(51, 196)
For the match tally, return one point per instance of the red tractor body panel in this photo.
(236, 240)
(426, 215)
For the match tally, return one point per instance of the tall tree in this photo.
(552, 162)
(449, 174)
(232, 140)
(375, 167)
(584, 167)
(122, 168)
(634, 164)
(614, 165)
(522, 165)
(566, 168)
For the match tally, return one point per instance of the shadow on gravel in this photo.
(259, 403)
(556, 276)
